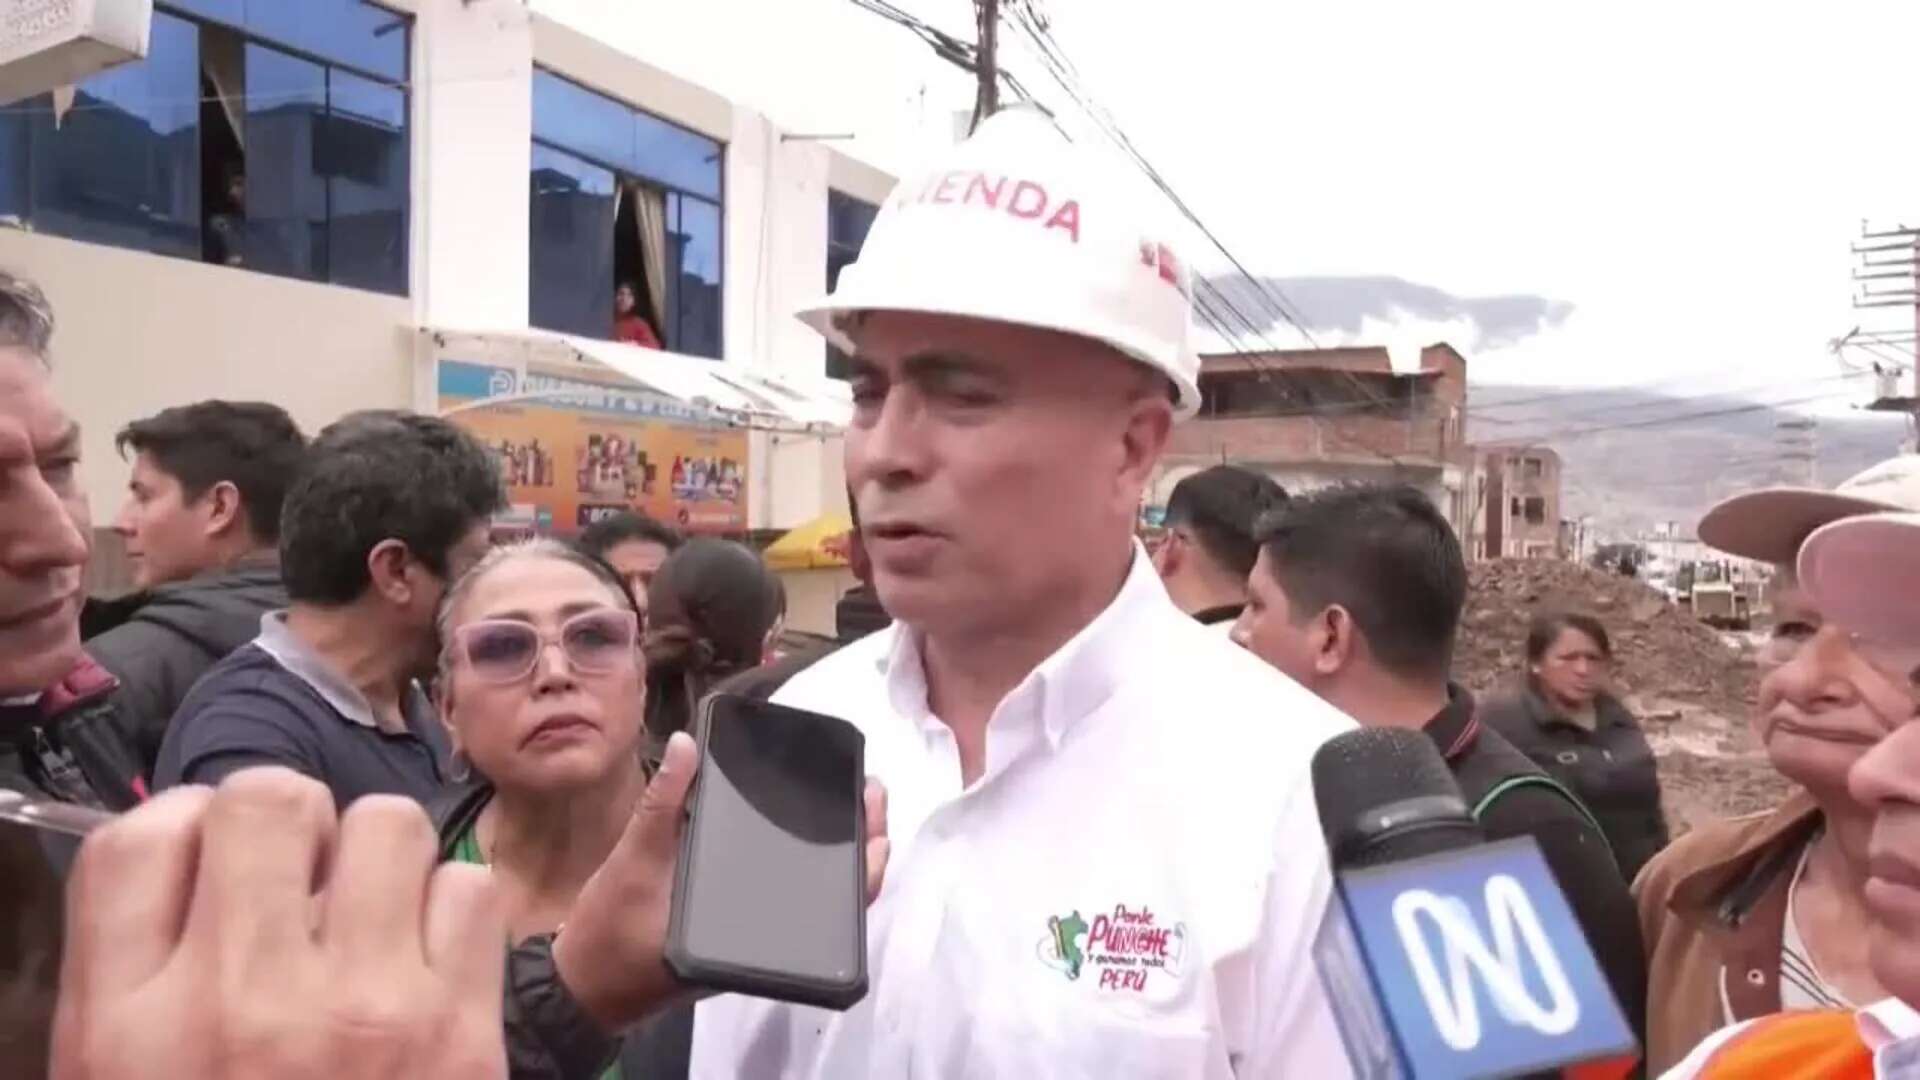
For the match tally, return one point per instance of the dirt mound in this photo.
(1691, 686)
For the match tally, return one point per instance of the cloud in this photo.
(1339, 310)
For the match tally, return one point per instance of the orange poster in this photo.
(597, 448)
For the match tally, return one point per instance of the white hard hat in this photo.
(1015, 225)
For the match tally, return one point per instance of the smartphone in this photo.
(38, 843)
(769, 897)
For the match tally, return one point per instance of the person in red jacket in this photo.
(628, 326)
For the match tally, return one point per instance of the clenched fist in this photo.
(247, 932)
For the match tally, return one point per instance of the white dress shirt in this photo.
(1889, 1027)
(1131, 888)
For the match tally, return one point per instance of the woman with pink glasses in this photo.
(542, 688)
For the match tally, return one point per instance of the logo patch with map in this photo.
(1120, 950)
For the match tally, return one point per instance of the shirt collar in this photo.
(1886, 1022)
(1073, 682)
(1455, 728)
(300, 661)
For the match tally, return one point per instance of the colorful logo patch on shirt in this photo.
(1125, 948)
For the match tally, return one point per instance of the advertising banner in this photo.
(596, 448)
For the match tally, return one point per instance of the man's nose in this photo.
(1816, 677)
(894, 446)
(37, 534)
(1888, 773)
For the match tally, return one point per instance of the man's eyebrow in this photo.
(935, 363)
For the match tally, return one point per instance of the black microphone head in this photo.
(1384, 795)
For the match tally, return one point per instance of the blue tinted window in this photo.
(848, 220)
(347, 31)
(363, 155)
(16, 139)
(675, 156)
(571, 272)
(693, 241)
(286, 200)
(568, 114)
(122, 164)
(613, 133)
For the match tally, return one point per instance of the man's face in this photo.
(169, 537)
(636, 561)
(1815, 714)
(1886, 780)
(997, 468)
(1267, 627)
(43, 530)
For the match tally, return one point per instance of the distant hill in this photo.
(1629, 478)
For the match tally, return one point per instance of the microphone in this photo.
(1446, 957)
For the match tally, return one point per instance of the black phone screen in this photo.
(38, 843)
(775, 879)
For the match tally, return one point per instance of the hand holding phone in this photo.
(772, 884)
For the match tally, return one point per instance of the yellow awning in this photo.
(820, 544)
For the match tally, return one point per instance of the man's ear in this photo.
(223, 509)
(391, 571)
(1149, 425)
(1170, 554)
(1335, 643)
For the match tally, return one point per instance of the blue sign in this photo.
(1479, 966)
(460, 379)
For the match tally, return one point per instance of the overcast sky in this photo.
(1688, 176)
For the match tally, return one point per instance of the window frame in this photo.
(247, 38)
(623, 173)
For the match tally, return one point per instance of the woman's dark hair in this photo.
(1547, 628)
(708, 612)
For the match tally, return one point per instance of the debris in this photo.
(1691, 686)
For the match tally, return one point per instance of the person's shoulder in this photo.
(860, 664)
(244, 680)
(1233, 690)
(1704, 845)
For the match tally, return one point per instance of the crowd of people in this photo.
(396, 801)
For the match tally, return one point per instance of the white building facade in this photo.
(304, 203)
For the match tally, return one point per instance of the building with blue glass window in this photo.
(302, 201)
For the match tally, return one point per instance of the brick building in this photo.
(1313, 418)
(1517, 513)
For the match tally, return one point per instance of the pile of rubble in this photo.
(1690, 685)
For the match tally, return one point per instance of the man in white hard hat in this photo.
(1745, 916)
(1107, 860)
(1863, 571)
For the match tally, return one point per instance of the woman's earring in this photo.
(460, 767)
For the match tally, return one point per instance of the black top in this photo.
(249, 710)
(1611, 768)
(160, 648)
(1578, 855)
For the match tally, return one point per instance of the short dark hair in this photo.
(252, 445)
(379, 475)
(1385, 554)
(610, 532)
(1547, 627)
(1223, 506)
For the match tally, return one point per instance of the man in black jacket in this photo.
(1357, 594)
(201, 522)
(59, 738)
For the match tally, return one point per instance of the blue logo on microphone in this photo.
(1477, 966)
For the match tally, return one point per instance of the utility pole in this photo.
(1889, 271)
(986, 66)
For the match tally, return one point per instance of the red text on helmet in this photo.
(1025, 199)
